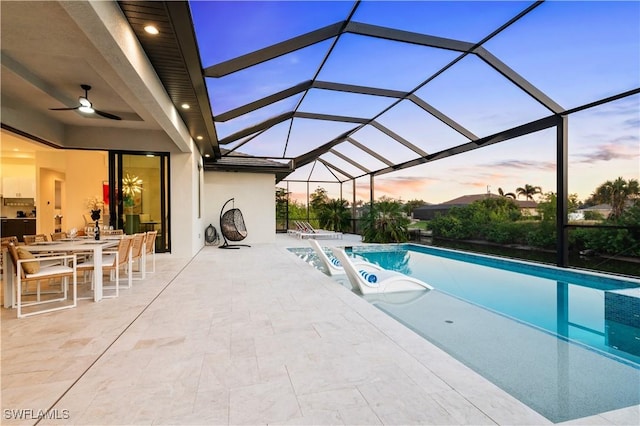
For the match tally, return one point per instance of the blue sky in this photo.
(575, 52)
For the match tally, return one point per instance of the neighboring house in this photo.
(603, 209)
(428, 212)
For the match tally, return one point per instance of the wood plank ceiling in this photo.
(174, 55)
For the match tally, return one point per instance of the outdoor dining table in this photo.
(67, 246)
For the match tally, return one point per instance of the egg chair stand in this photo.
(232, 226)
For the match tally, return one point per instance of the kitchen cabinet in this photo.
(18, 187)
(18, 227)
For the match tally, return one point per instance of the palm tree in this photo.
(508, 194)
(617, 193)
(528, 191)
(385, 223)
(334, 215)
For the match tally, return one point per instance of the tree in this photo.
(282, 197)
(318, 198)
(547, 207)
(411, 205)
(334, 215)
(528, 191)
(297, 210)
(617, 193)
(507, 195)
(573, 204)
(385, 223)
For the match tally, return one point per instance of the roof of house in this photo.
(465, 200)
(599, 207)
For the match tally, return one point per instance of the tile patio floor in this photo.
(250, 336)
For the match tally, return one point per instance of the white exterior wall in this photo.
(187, 232)
(255, 197)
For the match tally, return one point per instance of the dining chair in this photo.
(49, 268)
(137, 254)
(57, 236)
(150, 249)
(112, 261)
(37, 238)
(5, 241)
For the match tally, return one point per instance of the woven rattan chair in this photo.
(232, 226)
(38, 238)
(137, 255)
(150, 250)
(56, 236)
(112, 261)
(5, 246)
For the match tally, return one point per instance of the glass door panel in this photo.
(140, 194)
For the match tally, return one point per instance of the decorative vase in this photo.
(95, 215)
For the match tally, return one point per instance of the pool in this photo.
(565, 343)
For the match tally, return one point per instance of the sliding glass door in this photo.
(139, 192)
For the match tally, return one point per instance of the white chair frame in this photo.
(47, 272)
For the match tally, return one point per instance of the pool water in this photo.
(589, 308)
(563, 342)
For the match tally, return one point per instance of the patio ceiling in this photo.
(340, 90)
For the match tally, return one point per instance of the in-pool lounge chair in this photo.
(383, 281)
(334, 266)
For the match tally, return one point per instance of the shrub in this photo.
(505, 232)
(543, 235)
(589, 215)
(625, 242)
(447, 226)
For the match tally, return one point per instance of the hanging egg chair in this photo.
(232, 226)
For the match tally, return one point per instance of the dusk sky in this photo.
(575, 52)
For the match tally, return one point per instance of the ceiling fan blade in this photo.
(107, 115)
(63, 109)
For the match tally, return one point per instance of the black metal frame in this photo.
(558, 115)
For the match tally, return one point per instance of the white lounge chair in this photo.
(383, 281)
(305, 230)
(334, 266)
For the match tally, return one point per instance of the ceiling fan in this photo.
(86, 106)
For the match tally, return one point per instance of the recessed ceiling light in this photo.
(150, 155)
(207, 155)
(151, 29)
(185, 106)
(199, 138)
